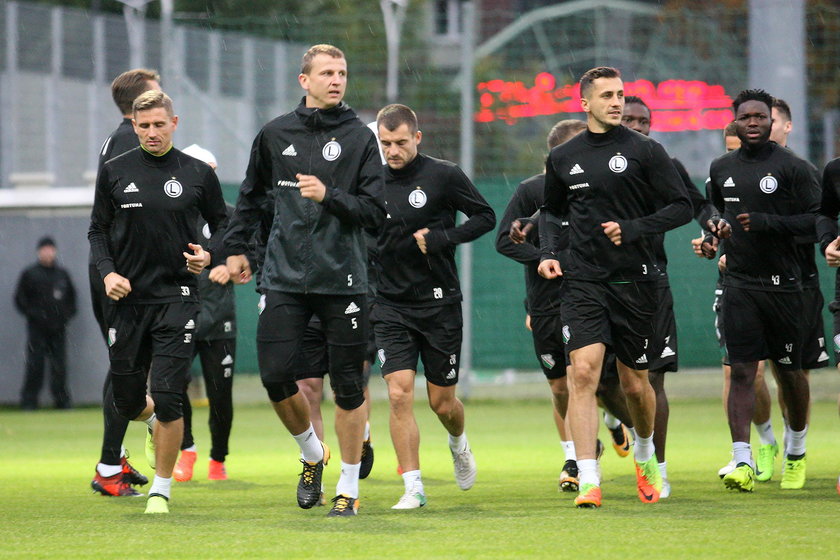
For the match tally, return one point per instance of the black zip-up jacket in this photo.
(312, 247)
(779, 192)
(217, 316)
(619, 176)
(46, 297)
(144, 214)
(542, 296)
(427, 193)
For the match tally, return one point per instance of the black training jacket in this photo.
(144, 214)
(312, 247)
(543, 296)
(779, 192)
(620, 176)
(46, 297)
(427, 193)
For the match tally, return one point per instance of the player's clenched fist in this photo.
(239, 269)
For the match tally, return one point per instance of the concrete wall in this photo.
(87, 356)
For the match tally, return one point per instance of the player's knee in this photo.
(442, 407)
(280, 390)
(399, 395)
(349, 396)
(559, 388)
(168, 406)
(129, 394)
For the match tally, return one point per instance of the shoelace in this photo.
(462, 460)
(341, 503)
(308, 472)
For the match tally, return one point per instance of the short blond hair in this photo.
(153, 99)
(315, 50)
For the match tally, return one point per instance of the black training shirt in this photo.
(781, 196)
(144, 214)
(620, 176)
(427, 193)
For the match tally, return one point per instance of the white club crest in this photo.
(417, 198)
(768, 184)
(331, 151)
(173, 188)
(618, 163)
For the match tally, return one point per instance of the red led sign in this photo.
(675, 104)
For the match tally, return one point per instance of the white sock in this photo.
(569, 450)
(150, 421)
(310, 446)
(367, 431)
(162, 486)
(797, 442)
(611, 421)
(413, 482)
(348, 482)
(122, 452)
(742, 453)
(588, 472)
(190, 448)
(458, 444)
(108, 470)
(635, 435)
(765, 433)
(663, 470)
(644, 449)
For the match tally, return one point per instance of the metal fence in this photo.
(56, 65)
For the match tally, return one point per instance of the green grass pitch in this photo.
(514, 511)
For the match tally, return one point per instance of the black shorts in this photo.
(154, 337)
(431, 333)
(282, 329)
(313, 360)
(620, 314)
(217, 357)
(763, 325)
(814, 355)
(664, 345)
(546, 331)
